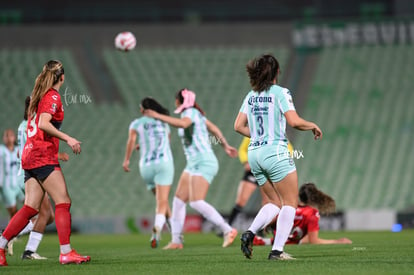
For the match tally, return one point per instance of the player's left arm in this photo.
(63, 156)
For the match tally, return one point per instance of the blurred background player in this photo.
(9, 168)
(41, 165)
(156, 163)
(305, 228)
(201, 168)
(262, 117)
(10, 185)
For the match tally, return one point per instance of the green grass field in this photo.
(370, 253)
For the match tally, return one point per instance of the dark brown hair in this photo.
(312, 196)
(180, 98)
(152, 104)
(26, 107)
(262, 71)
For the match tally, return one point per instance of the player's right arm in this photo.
(46, 125)
(241, 124)
(132, 138)
(313, 238)
(184, 122)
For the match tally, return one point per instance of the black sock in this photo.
(276, 252)
(234, 213)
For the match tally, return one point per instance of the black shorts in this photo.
(40, 173)
(248, 176)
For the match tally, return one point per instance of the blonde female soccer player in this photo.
(156, 163)
(40, 162)
(201, 168)
(46, 213)
(262, 117)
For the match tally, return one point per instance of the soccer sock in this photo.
(159, 221)
(177, 219)
(17, 223)
(168, 223)
(234, 213)
(34, 240)
(27, 229)
(65, 249)
(264, 217)
(211, 214)
(63, 223)
(284, 226)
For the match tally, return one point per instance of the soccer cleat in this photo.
(3, 261)
(30, 255)
(247, 244)
(171, 246)
(280, 256)
(155, 238)
(10, 246)
(73, 258)
(229, 237)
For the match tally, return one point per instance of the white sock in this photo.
(284, 227)
(177, 219)
(159, 221)
(211, 214)
(266, 214)
(65, 249)
(27, 229)
(34, 240)
(3, 242)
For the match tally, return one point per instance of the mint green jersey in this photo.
(265, 115)
(153, 139)
(21, 141)
(9, 167)
(195, 138)
(21, 137)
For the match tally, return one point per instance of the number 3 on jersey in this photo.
(32, 130)
(260, 129)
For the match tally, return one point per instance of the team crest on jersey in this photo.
(54, 106)
(55, 97)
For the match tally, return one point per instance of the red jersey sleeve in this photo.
(313, 221)
(50, 103)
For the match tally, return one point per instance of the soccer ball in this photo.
(125, 41)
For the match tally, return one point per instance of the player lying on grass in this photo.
(306, 224)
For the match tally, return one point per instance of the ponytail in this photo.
(50, 75)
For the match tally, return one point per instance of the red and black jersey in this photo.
(42, 149)
(306, 220)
